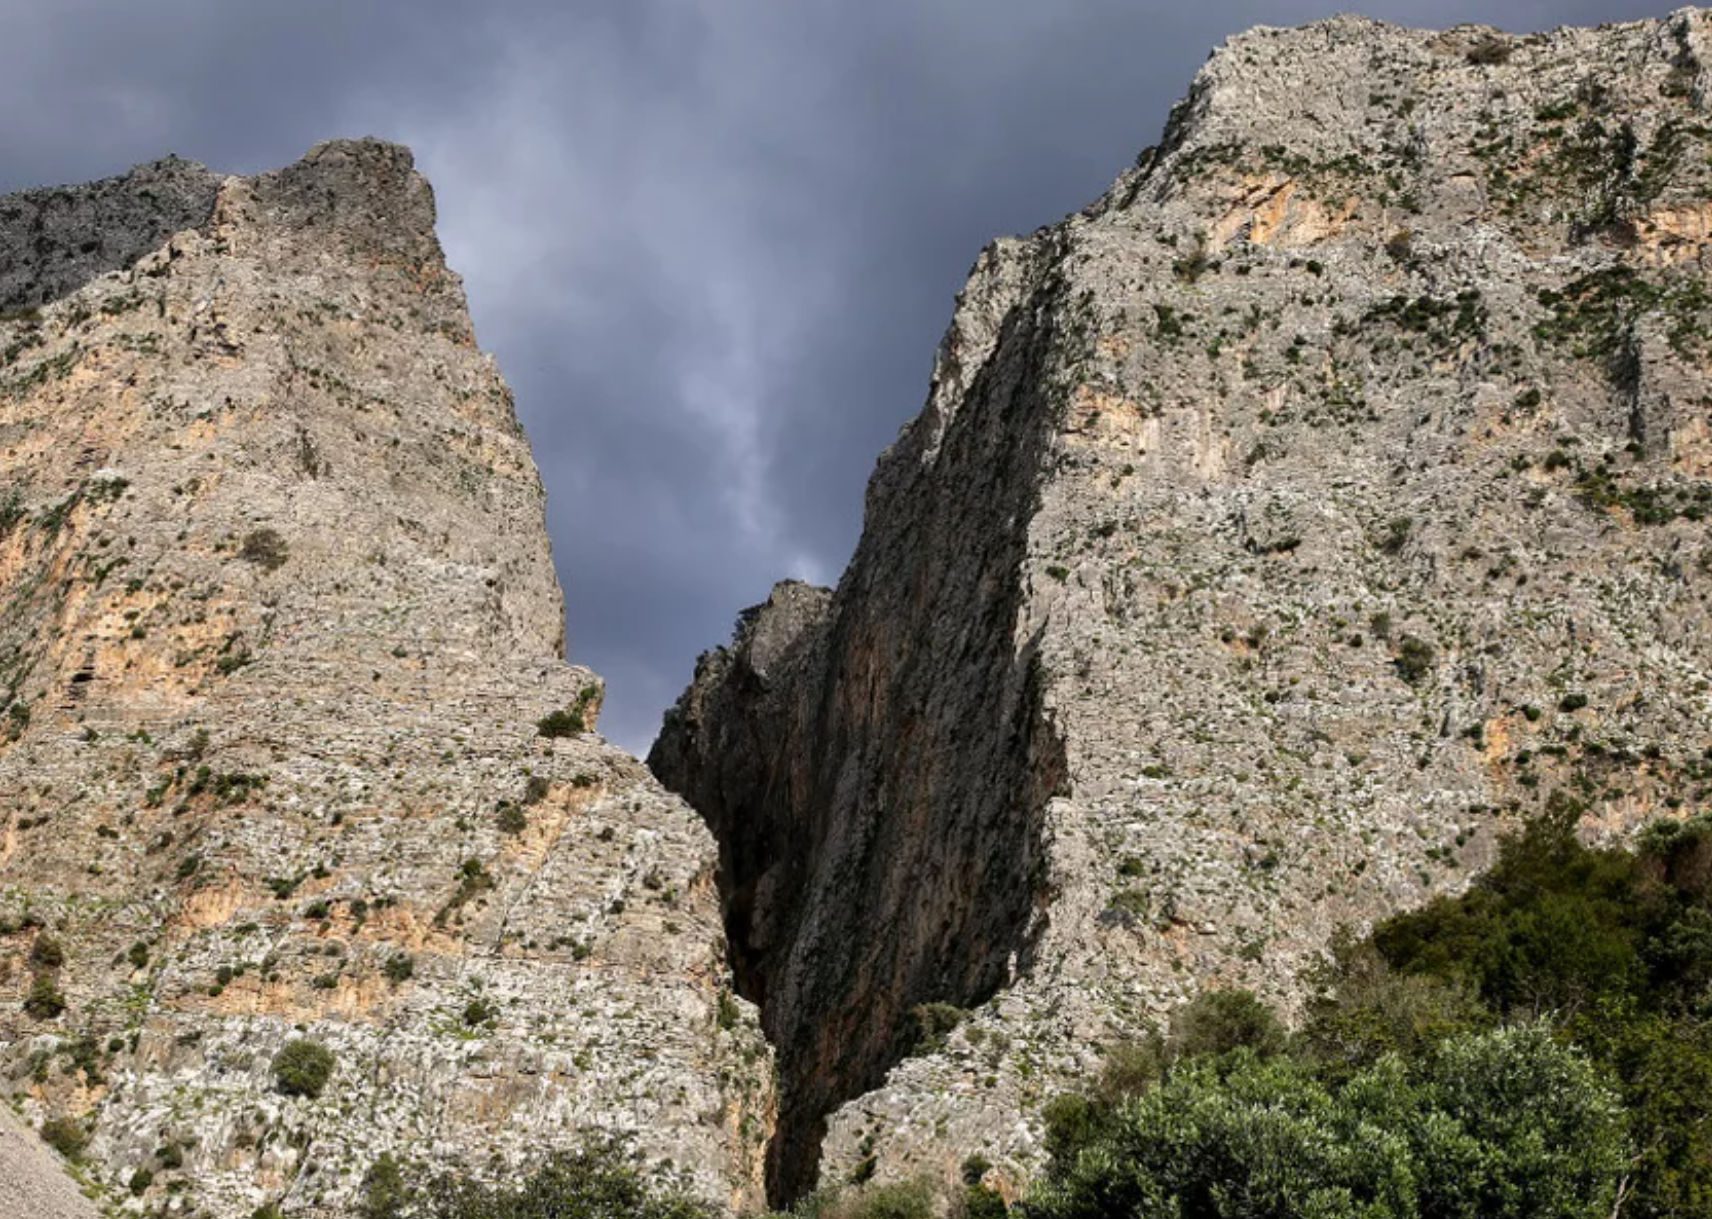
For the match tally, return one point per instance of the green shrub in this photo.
(473, 879)
(1509, 1053)
(385, 1193)
(1552, 926)
(140, 1182)
(265, 548)
(1364, 1010)
(65, 1135)
(512, 820)
(302, 1068)
(1132, 1067)
(1501, 1125)
(44, 1001)
(979, 1202)
(931, 1025)
(400, 967)
(1414, 659)
(901, 1200)
(601, 1179)
(1219, 1021)
(575, 719)
(1396, 534)
(47, 952)
(1619, 947)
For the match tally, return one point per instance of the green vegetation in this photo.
(1489, 51)
(65, 1135)
(1539, 1048)
(571, 720)
(473, 879)
(44, 1001)
(1505, 1124)
(1595, 314)
(1600, 488)
(1414, 660)
(1445, 323)
(302, 1068)
(600, 1179)
(265, 548)
(385, 1190)
(931, 1024)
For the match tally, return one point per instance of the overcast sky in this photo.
(712, 242)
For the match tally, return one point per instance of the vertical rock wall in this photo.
(279, 621)
(1323, 500)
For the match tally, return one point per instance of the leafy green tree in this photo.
(1550, 927)
(1517, 1126)
(1505, 1124)
(302, 1068)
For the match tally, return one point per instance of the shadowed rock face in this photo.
(279, 622)
(53, 241)
(1325, 498)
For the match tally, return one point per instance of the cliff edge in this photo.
(290, 749)
(1324, 499)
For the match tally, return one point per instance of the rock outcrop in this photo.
(1328, 496)
(280, 624)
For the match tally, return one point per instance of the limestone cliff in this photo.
(280, 622)
(1324, 498)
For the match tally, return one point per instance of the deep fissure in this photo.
(876, 763)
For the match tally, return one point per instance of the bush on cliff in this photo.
(302, 1068)
(1538, 1048)
(601, 1178)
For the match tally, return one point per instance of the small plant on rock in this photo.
(265, 548)
(571, 720)
(1414, 659)
(44, 1001)
(65, 1135)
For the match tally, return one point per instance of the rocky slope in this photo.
(1324, 498)
(279, 624)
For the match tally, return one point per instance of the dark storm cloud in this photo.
(712, 242)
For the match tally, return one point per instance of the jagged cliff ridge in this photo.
(280, 620)
(1327, 496)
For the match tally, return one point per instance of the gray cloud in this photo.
(713, 242)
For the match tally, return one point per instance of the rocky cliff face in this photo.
(1323, 499)
(279, 624)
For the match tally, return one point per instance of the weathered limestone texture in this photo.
(279, 621)
(1324, 498)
